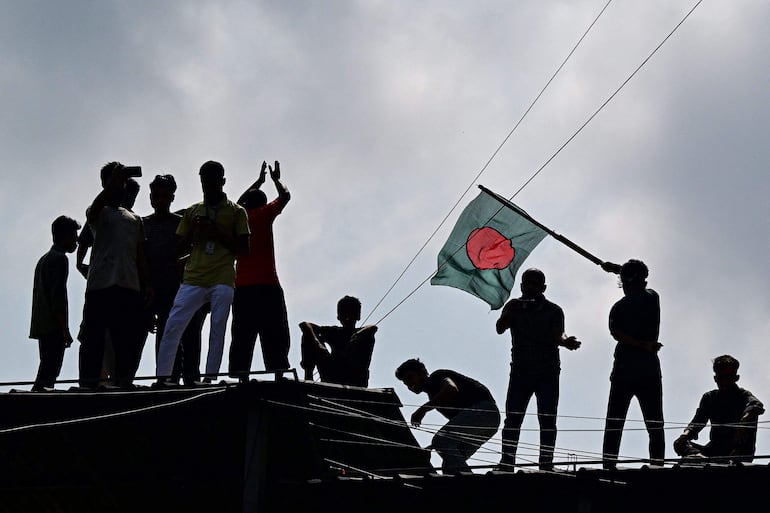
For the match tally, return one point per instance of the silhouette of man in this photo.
(85, 242)
(259, 307)
(537, 332)
(165, 276)
(467, 404)
(117, 275)
(733, 413)
(50, 310)
(351, 348)
(216, 230)
(635, 324)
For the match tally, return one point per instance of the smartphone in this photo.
(134, 171)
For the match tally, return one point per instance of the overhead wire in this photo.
(490, 159)
(558, 151)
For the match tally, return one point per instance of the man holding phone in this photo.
(117, 277)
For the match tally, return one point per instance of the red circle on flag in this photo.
(489, 249)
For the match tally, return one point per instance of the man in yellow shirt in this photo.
(215, 231)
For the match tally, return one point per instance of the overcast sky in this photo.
(381, 114)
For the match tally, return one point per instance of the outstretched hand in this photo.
(275, 173)
(571, 343)
(418, 415)
(611, 267)
(262, 173)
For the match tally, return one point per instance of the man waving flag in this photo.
(490, 241)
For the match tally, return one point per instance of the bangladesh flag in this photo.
(485, 249)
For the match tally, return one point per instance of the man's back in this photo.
(258, 267)
(117, 234)
(535, 330)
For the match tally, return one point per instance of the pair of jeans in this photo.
(117, 312)
(259, 310)
(649, 393)
(521, 388)
(462, 436)
(189, 300)
(51, 357)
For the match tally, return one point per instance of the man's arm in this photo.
(283, 192)
(116, 182)
(58, 291)
(444, 397)
(143, 269)
(255, 185)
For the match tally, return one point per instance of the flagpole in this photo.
(550, 232)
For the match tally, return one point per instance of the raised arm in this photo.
(255, 185)
(275, 175)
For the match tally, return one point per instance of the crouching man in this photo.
(469, 406)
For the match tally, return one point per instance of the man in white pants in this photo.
(215, 231)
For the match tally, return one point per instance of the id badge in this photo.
(209, 247)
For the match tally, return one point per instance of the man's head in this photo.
(65, 233)
(212, 175)
(726, 371)
(162, 189)
(349, 311)
(106, 172)
(532, 283)
(413, 374)
(253, 198)
(633, 275)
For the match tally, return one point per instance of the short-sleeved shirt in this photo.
(469, 391)
(534, 331)
(258, 267)
(637, 315)
(162, 251)
(49, 293)
(203, 269)
(724, 409)
(117, 235)
(350, 361)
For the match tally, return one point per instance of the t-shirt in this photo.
(258, 267)
(469, 391)
(724, 409)
(49, 293)
(637, 315)
(534, 331)
(349, 362)
(162, 252)
(117, 235)
(218, 268)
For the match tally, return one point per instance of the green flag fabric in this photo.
(485, 249)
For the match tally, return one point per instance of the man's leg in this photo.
(617, 409)
(221, 297)
(547, 394)
(188, 300)
(650, 396)
(520, 391)
(464, 434)
(191, 346)
(128, 333)
(274, 332)
(92, 333)
(51, 357)
(246, 313)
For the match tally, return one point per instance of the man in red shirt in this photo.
(259, 308)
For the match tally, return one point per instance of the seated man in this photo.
(351, 347)
(469, 406)
(733, 413)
